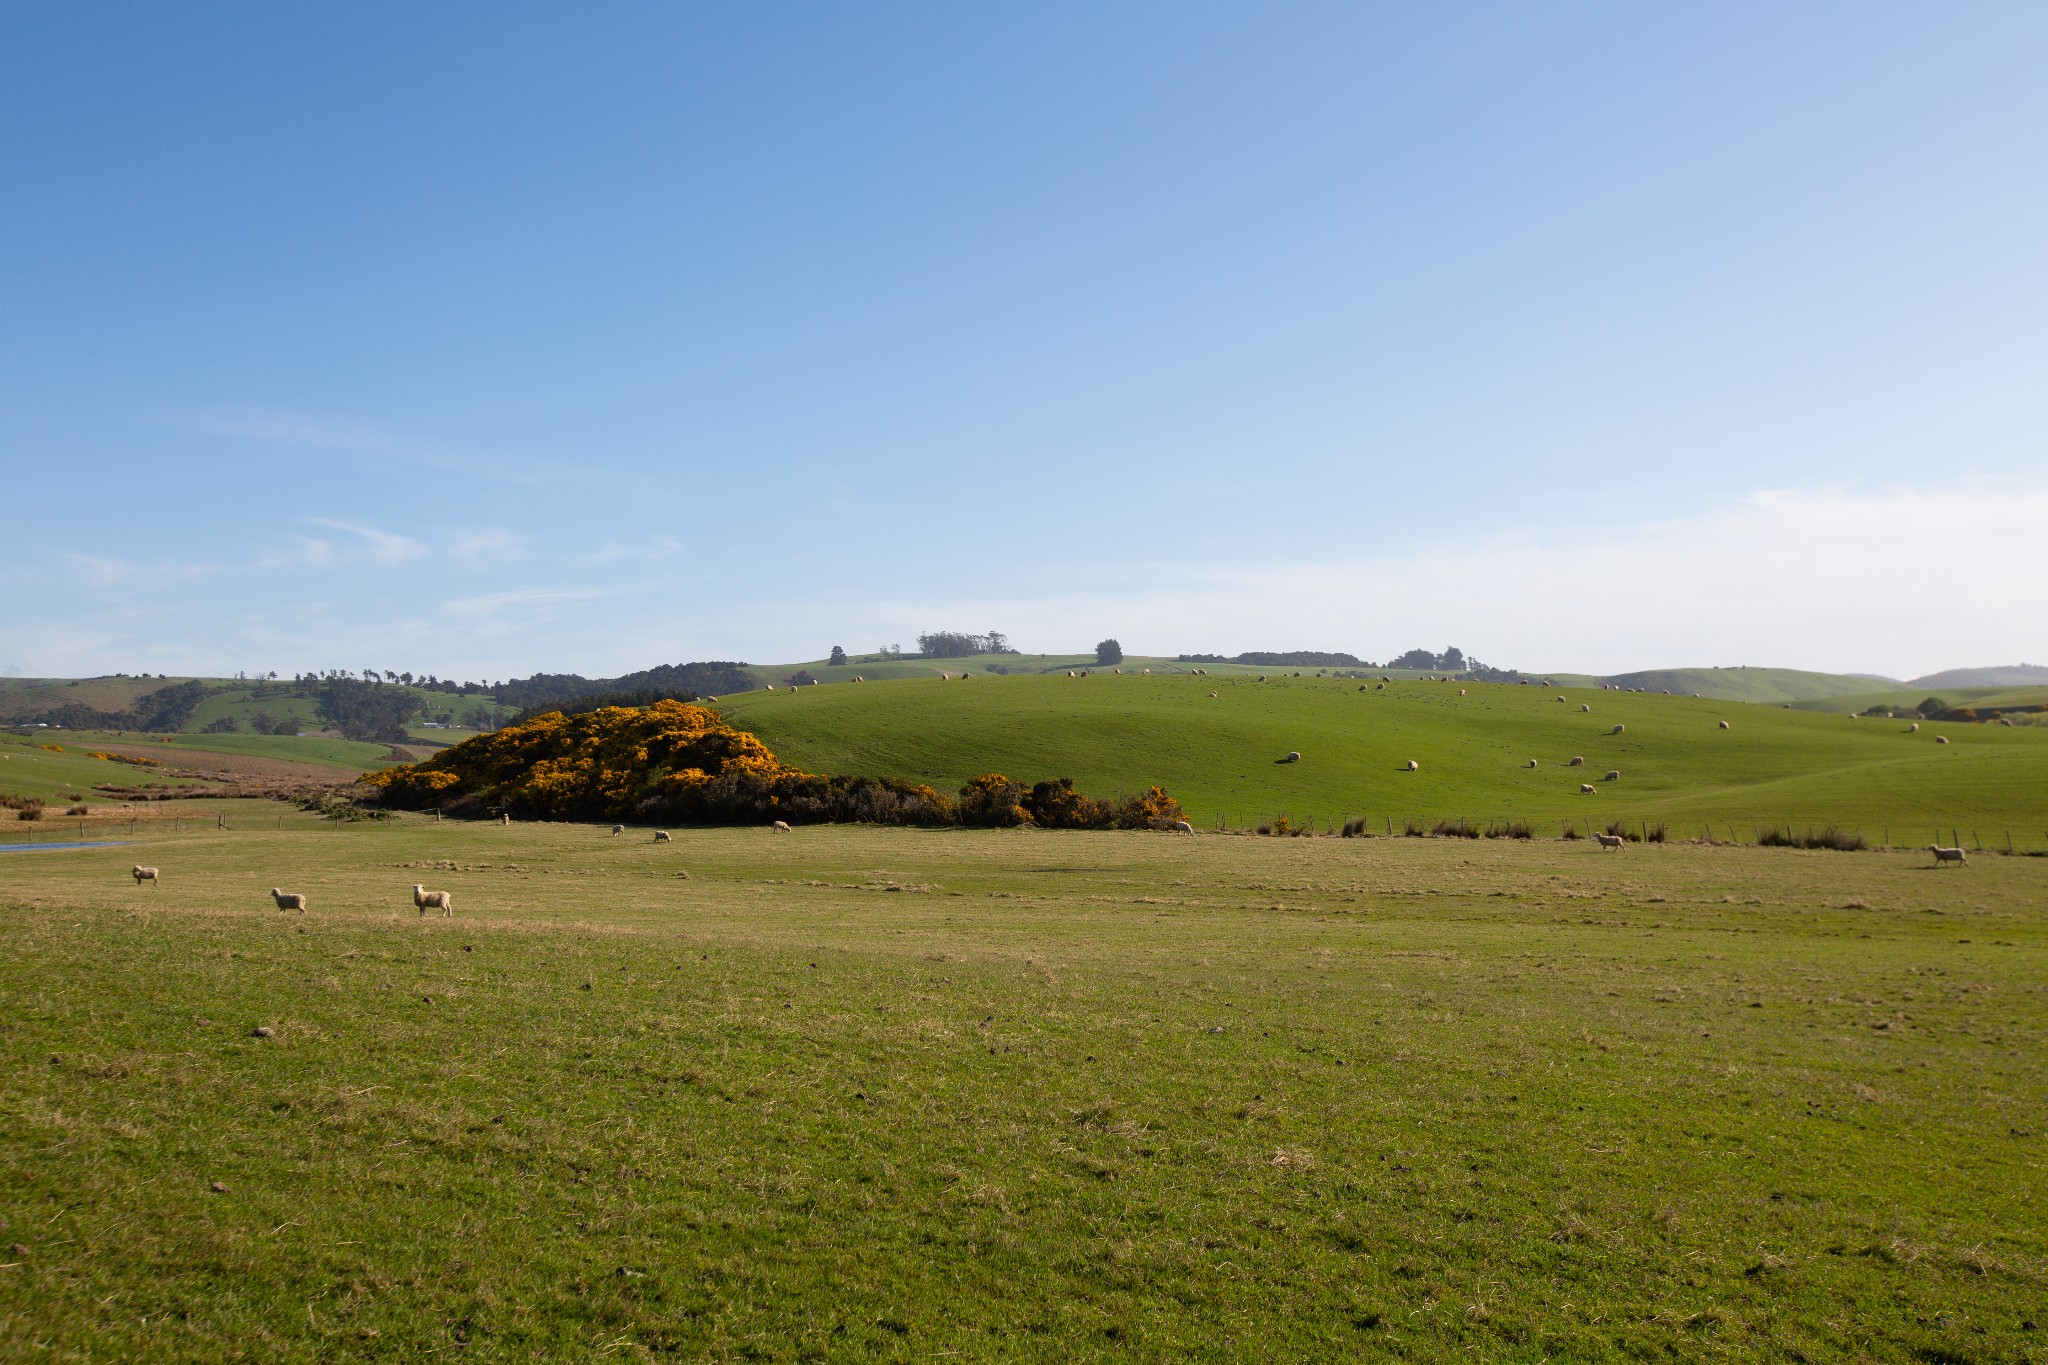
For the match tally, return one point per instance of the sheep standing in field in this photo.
(1212, 696)
(1613, 775)
(780, 827)
(1293, 756)
(858, 678)
(1946, 855)
(1617, 729)
(288, 900)
(1532, 762)
(1724, 724)
(1941, 739)
(1183, 827)
(1578, 761)
(1070, 672)
(1461, 691)
(1560, 698)
(1585, 789)
(1585, 706)
(661, 836)
(1413, 766)
(144, 874)
(617, 830)
(1914, 728)
(1607, 841)
(442, 900)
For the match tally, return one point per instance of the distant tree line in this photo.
(953, 644)
(683, 682)
(366, 710)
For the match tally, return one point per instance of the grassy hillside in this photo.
(1903, 699)
(55, 775)
(1218, 756)
(875, 669)
(1743, 684)
(1059, 1098)
(2010, 675)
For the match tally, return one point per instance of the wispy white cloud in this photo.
(107, 571)
(484, 543)
(385, 547)
(494, 604)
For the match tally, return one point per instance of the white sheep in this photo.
(1532, 762)
(1560, 698)
(1585, 789)
(1578, 761)
(145, 874)
(1585, 706)
(288, 900)
(1461, 691)
(1946, 855)
(1147, 672)
(771, 687)
(1618, 729)
(1723, 724)
(1941, 739)
(1914, 728)
(1610, 840)
(1212, 696)
(617, 830)
(1293, 756)
(661, 836)
(442, 900)
(858, 678)
(780, 827)
(1071, 673)
(1413, 765)
(1613, 775)
(505, 819)
(1183, 827)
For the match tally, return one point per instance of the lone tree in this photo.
(1107, 653)
(838, 656)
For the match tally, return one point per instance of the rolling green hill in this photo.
(1903, 699)
(1218, 755)
(1744, 684)
(56, 774)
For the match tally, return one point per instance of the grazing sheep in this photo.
(2001, 720)
(1560, 698)
(1607, 841)
(1413, 765)
(715, 699)
(1532, 762)
(1941, 739)
(1618, 729)
(858, 678)
(1914, 728)
(1379, 687)
(1946, 855)
(661, 836)
(1070, 673)
(945, 676)
(1118, 671)
(1183, 827)
(1585, 706)
(442, 900)
(1262, 677)
(1212, 696)
(288, 900)
(1293, 756)
(1613, 775)
(1585, 789)
(617, 830)
(1147, 671)
(771, 687)
(780, 827)
(1461, 691)
(1723, 724)
(1578, 761)
(144, 874)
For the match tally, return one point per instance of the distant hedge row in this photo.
(673, 762)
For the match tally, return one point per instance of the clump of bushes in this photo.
(1355, 828)
(675, 762)
(1458, 829)
(78, 808)
(1411, 829)
(1842, 841)
(1510, 829)
(30, 809)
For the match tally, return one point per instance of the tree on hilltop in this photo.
(1107, 653)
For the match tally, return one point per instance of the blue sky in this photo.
(481, 339)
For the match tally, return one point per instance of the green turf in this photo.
(1745, 684)
(861, 1094)
(1218, 755)
(29, 769)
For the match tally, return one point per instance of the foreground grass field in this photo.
(895, 1095)
(1217, 755)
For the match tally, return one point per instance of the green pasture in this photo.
(347, 756)
(1218, 756)
(29, 769)
(1904, 699)
(1746, 684)
(865, 1094)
